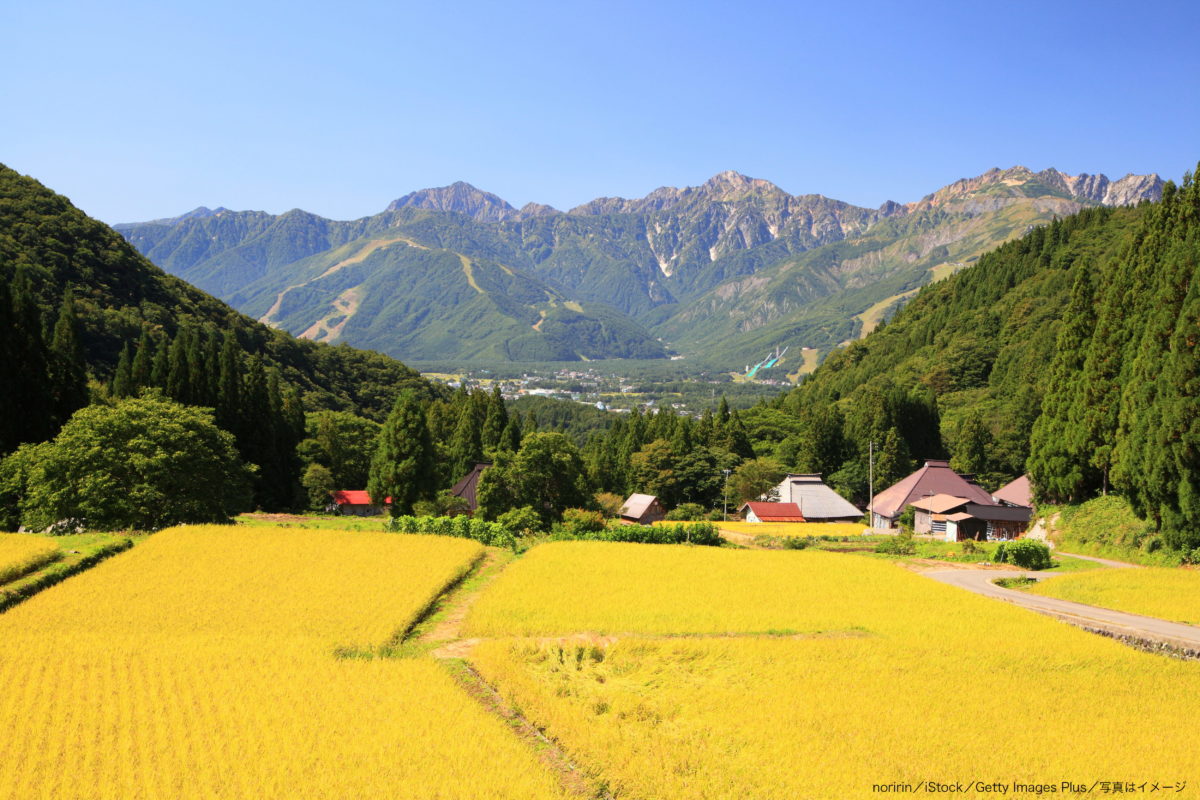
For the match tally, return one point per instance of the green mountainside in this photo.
(118, 293)
(721, 272)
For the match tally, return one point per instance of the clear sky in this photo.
(138, 110)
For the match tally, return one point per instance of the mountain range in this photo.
(719, 273)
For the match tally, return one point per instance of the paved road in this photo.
(1175, 634)
(1107, 562)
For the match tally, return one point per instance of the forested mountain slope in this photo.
(1070, 352)
(84, 316)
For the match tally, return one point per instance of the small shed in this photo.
(357, 502)
(642, 509)
(468, 485)
(771, 512)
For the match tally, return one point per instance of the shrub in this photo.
(523, 521)
(580, 522)
(901, 544)
(494, 534)
(609, 504)
(1025, 553)
(686, 512)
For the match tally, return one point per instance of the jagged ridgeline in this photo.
(1070, 352)
(721, 273)
(78, 303)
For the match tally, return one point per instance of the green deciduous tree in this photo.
(143, 463)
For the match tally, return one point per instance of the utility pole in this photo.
(871, 484)
(725, 493)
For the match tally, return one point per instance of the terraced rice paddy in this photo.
(202, 664)
(1172, 594)
(21, 553)
(891, 678)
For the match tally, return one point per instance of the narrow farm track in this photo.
(1132, 628)
(440, 636)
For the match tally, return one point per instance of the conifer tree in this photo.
(465, 445)
(143, 363)
(68, 372)
(403, 467)
(229, 387)
(494, 422)
(122, 382)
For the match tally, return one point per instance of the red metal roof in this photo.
(354, 497)
(776, 512)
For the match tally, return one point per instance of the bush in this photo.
(1024, 553)
(581, 522)
(901, 544)
(523, 521)
(703, 533)
(493, 534)
(686, 512)
(609, 504)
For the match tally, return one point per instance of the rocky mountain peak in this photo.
(1018, 182)
(461, 197)
(734, 184)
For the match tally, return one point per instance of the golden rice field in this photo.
(201, 664)
(22, 552)
(924, 682)
(1172, 594)
(796, 528)
(602, 587)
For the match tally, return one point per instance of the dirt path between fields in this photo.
(1134, 629)
(440, 636)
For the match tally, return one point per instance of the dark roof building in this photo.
(468, 485)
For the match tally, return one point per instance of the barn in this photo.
(642, 509)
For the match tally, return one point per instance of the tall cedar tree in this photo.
(403, 467)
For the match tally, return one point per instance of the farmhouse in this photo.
(642, 509)
(771, 512)
(934, 478)
(468, 485)
(957, 518)
(357, 502)
(817, 502)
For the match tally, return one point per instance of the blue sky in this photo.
(140, 110)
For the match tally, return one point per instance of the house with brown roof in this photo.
(934, 478)
(817, 502)
(468, 485)
(771, 512)
(642, 509)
